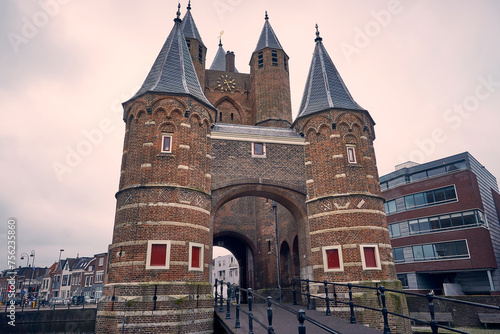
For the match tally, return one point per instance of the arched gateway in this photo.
(242, 175)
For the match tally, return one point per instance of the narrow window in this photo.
(220, 117)
(232, 116)
(370, 257)
(166, 143)
(351, 154)
(332, 258)
(195, 256)
(258, 149)
(260, 58)
(285, 63)
(188, 43)
(200, 54)
(158, 254)
(274, 57)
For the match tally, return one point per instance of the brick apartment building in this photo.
(443, 218)
(207, 151)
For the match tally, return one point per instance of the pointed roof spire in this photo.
(325, 88)
(267, 37)
(219, 63)
(173, 70)
(189, 27)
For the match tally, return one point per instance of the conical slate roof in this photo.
(268, 38)
(219, 63)
(189, 27)
(324, 89)
(173, 70)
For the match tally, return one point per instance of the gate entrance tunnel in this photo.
(247, 226)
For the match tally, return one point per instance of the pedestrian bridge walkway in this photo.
(284, 321)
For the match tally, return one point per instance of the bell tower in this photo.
(270, 79)
(162, 242)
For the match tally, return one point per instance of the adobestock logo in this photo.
(224, 6)
(31, 27)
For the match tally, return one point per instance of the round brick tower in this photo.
(270, 81)
(162, 242)
(348, 229)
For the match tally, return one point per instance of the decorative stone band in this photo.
(156, 313)
(347, 246)
(152, 204)
(258, 138)
(144, 242)
(341, 212)
(138, 263)
(164, 223)
(344, 195)
(354, 264)
(350, 228)
(172, 324)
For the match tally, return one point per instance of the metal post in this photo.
(301, 316)
(328, 311)
(155, 297)
(351, 304)
(294, 293)
(387, 329)
(434, 327)
(275, 207)
(250, 313)
(237, 325)
(215, 299)
(270, 329)
(309, 307)
(335, 294)
(228, 311)
(221, 307)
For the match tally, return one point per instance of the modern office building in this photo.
(443, 219)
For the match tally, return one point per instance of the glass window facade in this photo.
(419, 200)
(428, 252)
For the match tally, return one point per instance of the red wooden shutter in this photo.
(158, 255)
(333, 260)
(370, 260)
(195, 257)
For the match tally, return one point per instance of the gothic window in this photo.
(274, 57)
(260, 58)
(258, 150)
(370, 258)
(195, 256)
(332, 258)
(158, 254)
(166, 143)
(351, 154)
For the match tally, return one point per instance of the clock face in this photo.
(225, 83)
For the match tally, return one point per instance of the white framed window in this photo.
(195, 256)
(99, 276)
(258, 150)
(332, 258)
(158, 254)
(166, 143)
(101, 261)
(370, 257)
(351, 154)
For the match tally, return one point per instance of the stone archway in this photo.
(242, 216)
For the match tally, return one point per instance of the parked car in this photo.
(78, 300)
(56, 301)
(89, 300)
(67, 301)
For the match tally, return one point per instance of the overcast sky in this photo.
(428, 72)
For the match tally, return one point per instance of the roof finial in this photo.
(318, 39)
(178, 18)
(189, 5)
(267, 17)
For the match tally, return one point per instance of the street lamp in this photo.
(275, 206)
(32, 266)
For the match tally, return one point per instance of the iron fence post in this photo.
(328, 311)
(237, 324)
(228, 311)
(250, 313)
(309, 307)
(335, 293)
(221, 306)
(351, 304)
(301, 316)
(270, 329)
(387, 329)
(434, 327)
(215, 299)
(294, 293)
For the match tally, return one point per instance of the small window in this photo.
(274, 57)
(158, 254)
(166, 143)
(351, 154)
(101, 261)
(370, 257)
(258, 149)
(200, 54)
(195, 256)
(260, 58)
(285, 63)
(332, 258)
(188, 43)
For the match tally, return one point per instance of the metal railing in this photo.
(381, 293)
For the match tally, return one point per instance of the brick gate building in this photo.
(206, 154)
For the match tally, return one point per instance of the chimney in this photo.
(230, 61)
